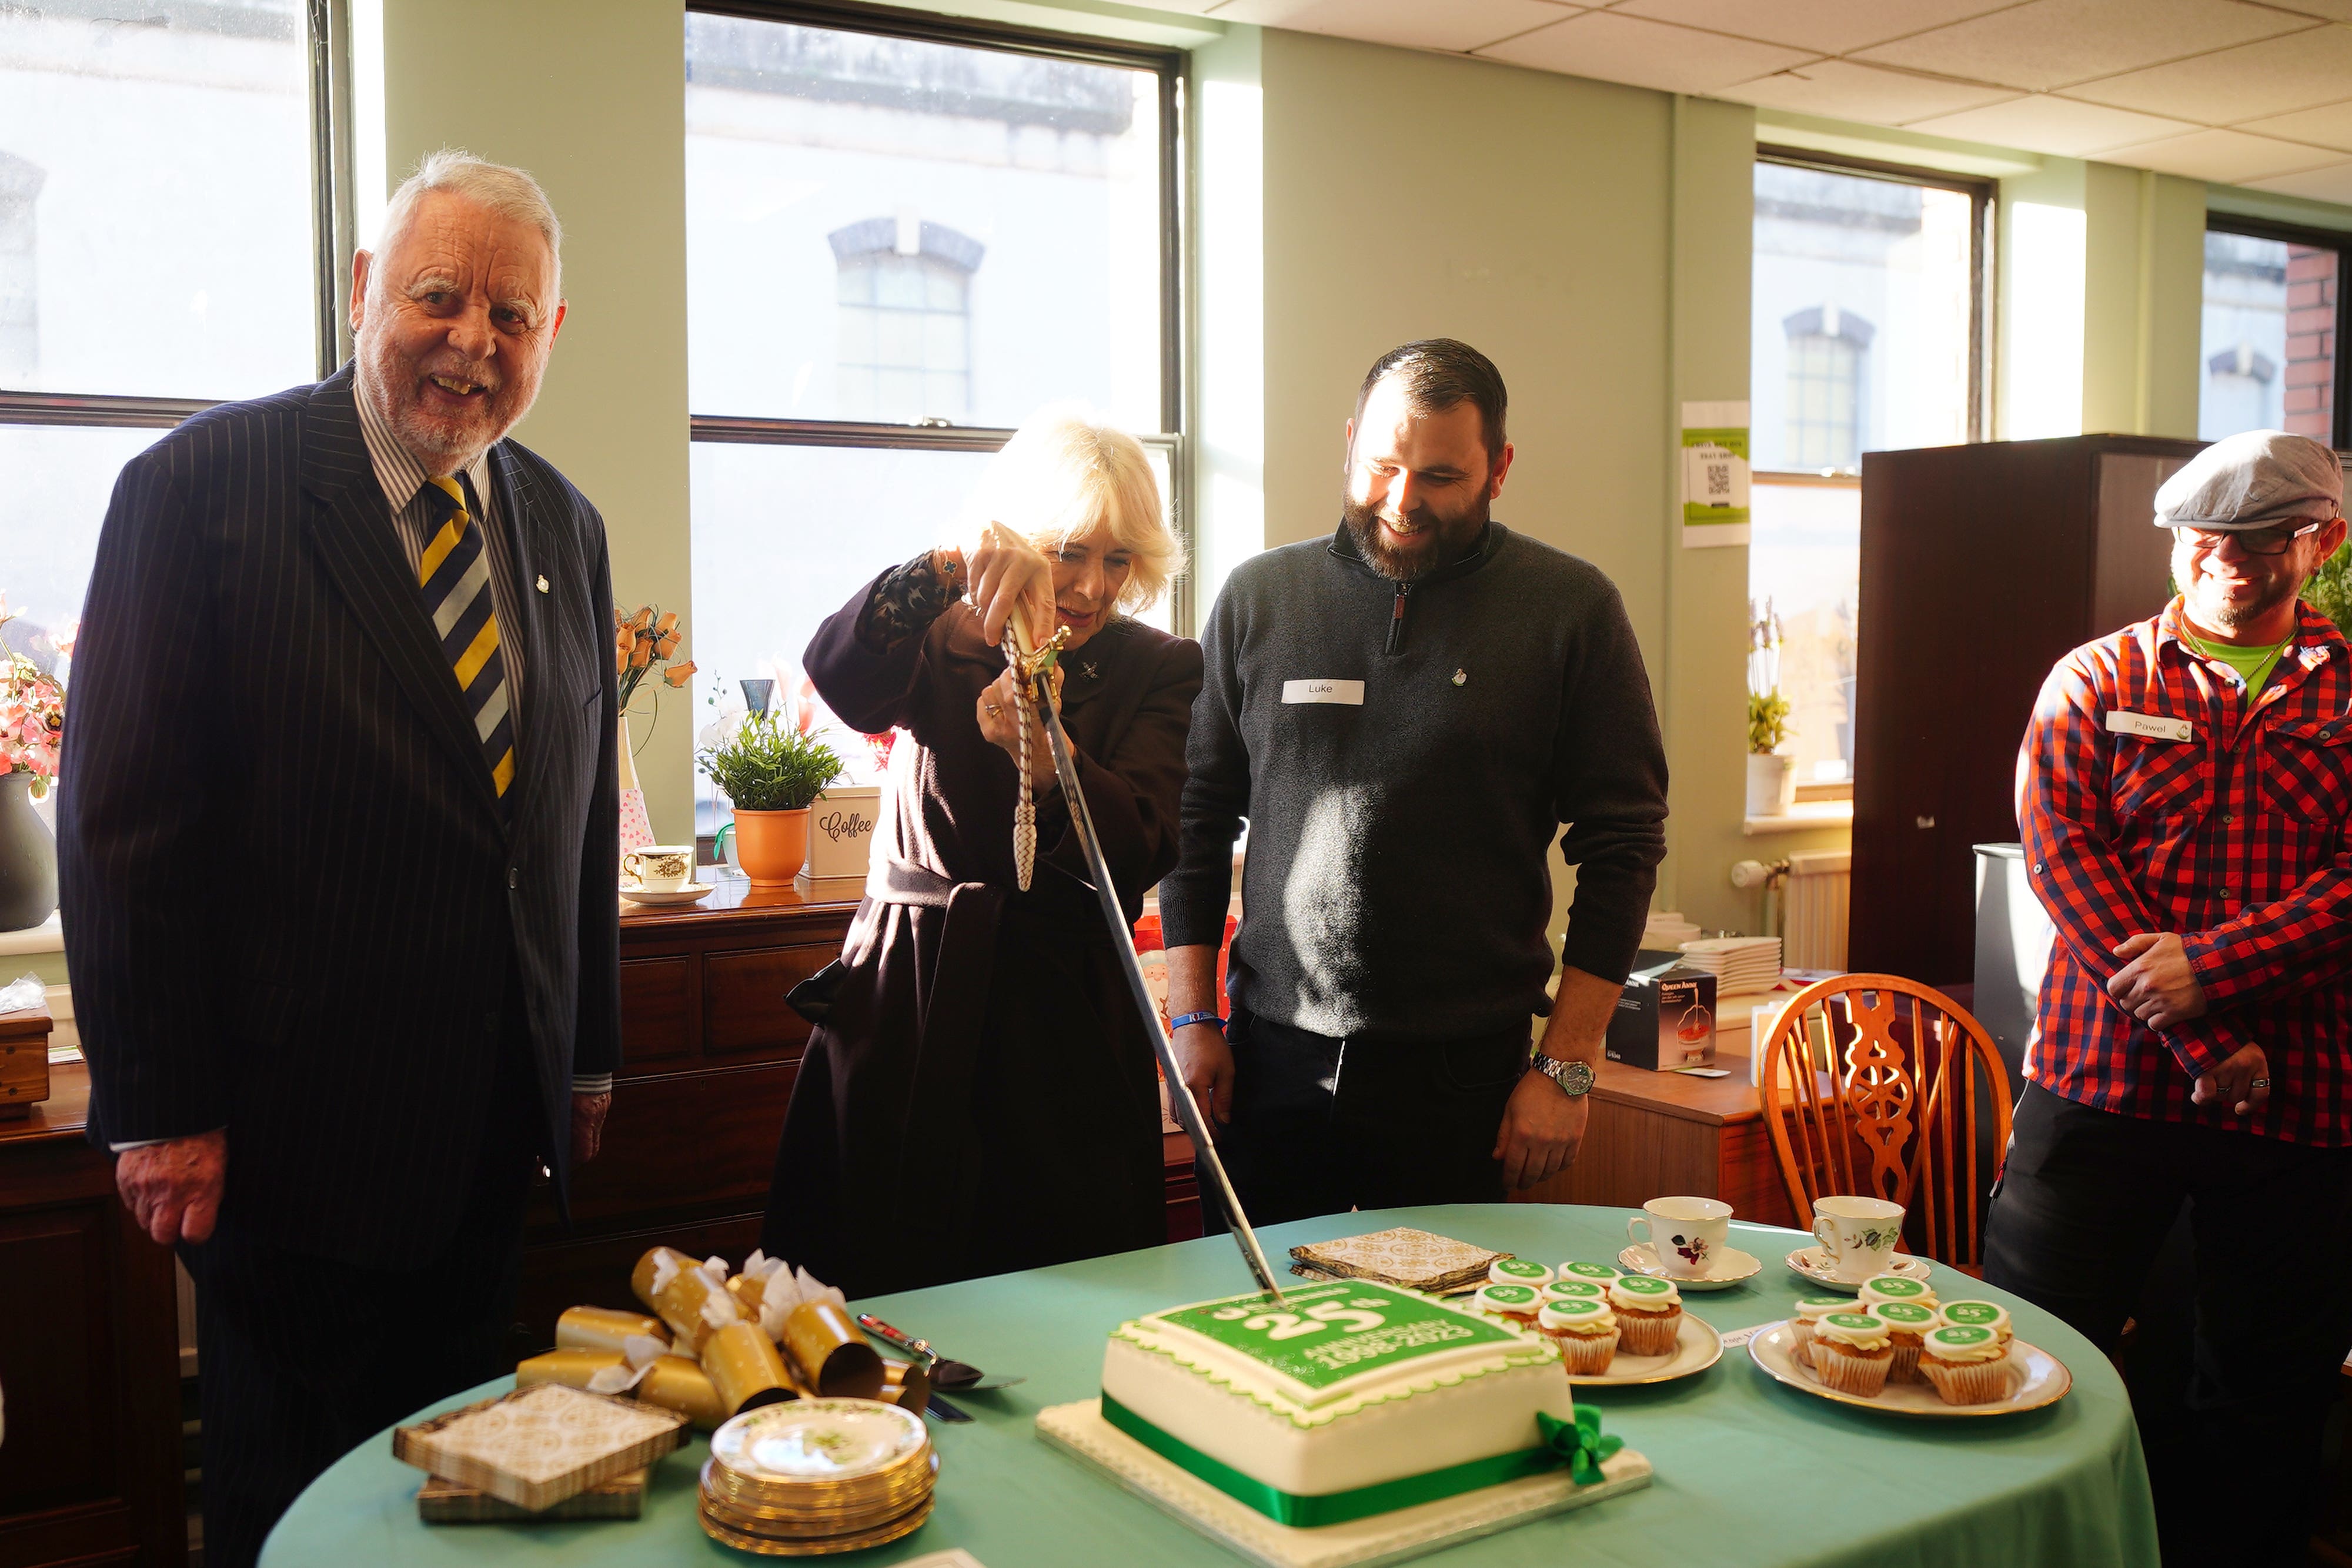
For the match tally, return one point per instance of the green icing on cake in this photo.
(1573, 1290)
(1961, 1335)
(1644, 1285)
(1320, 1337)
(1521, 1267)
(1895, 1286)
(1909, 1314)
(1508, 1295)
(1965, 1313)
(1590, 1271)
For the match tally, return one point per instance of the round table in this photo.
(1748, 1472)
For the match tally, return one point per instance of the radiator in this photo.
(1813, 903)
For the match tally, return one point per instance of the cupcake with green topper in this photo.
(1581, 1290)
(1978, 1315)
(1895, 1288)
(1853, 1352)
(1809, 1311)
(1968, 1364)
(1585, 1329)
(1906, 1323)
(1649, 1313)
(1600, 1273)
(1517, 1271)
(1519, 1303)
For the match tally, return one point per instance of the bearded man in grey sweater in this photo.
(1405, 713)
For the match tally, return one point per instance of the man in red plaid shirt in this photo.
(2184, 790)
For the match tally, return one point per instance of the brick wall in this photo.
(2311, 341)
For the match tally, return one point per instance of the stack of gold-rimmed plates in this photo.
(818, 1475)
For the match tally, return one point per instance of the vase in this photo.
(28, 857)
(1771, 784)
(636, 828)
(771, 845)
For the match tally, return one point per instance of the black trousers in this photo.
(2086, 1200)
(1323, 1126)
(300, 1359)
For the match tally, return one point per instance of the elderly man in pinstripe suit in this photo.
(338, 829)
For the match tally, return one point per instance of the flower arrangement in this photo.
(1768, 710)
(768, 765)
(32, 712)
(647, 641)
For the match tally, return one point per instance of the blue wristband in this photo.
(1208, 1018)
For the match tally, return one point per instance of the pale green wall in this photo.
(589, 96)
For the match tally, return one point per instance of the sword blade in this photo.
(1188, 1110)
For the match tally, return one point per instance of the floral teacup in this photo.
(1858, 1235)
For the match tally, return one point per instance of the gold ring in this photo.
(994, 711)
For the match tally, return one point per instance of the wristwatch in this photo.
(1574, 1078)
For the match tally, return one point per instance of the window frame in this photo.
(1984, 199)
(2340, 242)
(1170, 65)
(326, 43)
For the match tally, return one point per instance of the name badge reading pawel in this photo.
(1348, 691)
(2149, 726)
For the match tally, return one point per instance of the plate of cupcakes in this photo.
(1901, 1351)
(1611, 1327)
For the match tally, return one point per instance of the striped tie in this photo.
(454, 575)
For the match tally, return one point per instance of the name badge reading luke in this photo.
(1350, 692)
(2149, 726)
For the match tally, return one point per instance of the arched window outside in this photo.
(1828, 355)
(905, 294)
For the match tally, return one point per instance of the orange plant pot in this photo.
(772, 845)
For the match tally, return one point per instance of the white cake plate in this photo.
(1079, 1430)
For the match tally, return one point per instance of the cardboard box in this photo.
(1666, 1017)
(840, 842)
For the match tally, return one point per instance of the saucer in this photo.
(1729, 1268)
(1697, 1346)
(1810, 1262)
(692, 893)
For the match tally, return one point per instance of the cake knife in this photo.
(1179, 1093)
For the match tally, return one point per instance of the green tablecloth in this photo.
(1748, 1472)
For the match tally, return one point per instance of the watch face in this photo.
(1576, 1077)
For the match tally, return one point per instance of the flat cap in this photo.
(2252, 480)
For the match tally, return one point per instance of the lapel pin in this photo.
(1461, 677)
(1087, 668)
(543, 584)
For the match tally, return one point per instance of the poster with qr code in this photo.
(1714, 474)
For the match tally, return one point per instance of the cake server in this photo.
(1122, 941)
(950, 1376)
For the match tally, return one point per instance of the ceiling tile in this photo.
(2330, 127)
(1408, 24)
(1840, 90)
(2225, 157)
(1832, 27)
(2055, 125)
(2332, 182)
(1642, 53)
(2050, 43)
(2249, 82)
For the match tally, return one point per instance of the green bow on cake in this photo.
(1579, 1442)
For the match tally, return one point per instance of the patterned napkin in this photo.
(1412, 1259)
(537, 1445)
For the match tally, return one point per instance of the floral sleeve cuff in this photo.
(904, 602)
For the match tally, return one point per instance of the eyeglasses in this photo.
(2272, 540)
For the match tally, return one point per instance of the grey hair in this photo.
(507, 192)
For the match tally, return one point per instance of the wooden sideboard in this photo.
(1655, 1134)
(89, 1360)
(708, 1053)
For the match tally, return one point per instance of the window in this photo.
(158, 236)
(1867, 322)
(904, 236)
(2275, 302)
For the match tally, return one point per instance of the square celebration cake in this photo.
(1349, 1399)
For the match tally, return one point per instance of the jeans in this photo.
(1323, 1126)
(2085, 1200)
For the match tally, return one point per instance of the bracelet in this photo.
(1209, 1019)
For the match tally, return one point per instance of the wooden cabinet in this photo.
(1651, 1134)
(90, 1366)
(1981, 567)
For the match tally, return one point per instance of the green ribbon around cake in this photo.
(1578, 1444)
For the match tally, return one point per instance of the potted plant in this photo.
(770, 771)
(1771, 776)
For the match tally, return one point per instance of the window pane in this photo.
(1805, 557)
(59, 479)
(1011, 197)
(2269, 339)
(155, 199)
(1862, 309)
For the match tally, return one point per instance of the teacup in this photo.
(661, 868)
(1686, 1233)
(1858, 1235)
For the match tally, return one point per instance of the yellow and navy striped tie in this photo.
(454, 575)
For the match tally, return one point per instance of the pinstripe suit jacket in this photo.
(293, 907)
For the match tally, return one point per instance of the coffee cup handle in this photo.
(630, 862)
(1644, 1221)
(1829, 1242)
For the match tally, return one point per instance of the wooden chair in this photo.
(1869, 1089)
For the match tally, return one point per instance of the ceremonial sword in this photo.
(1122, 940)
